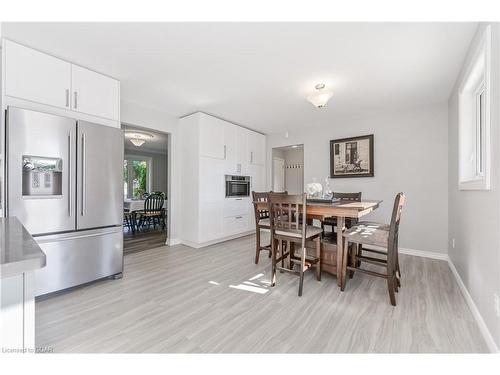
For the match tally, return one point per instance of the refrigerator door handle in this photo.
(84, 172)
(70, 208)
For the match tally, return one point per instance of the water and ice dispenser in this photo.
(42, 176)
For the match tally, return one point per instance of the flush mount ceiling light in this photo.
(138, 138)
(320, 97)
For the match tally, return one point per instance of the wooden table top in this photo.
(340, 208)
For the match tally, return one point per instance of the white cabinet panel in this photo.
(235, 224)
(256, 148)
(94, 93)
(230, 148)
(211, 137)
(241, 145)
(211, 177)
(236, 206)
(37, 77)
(210, 221)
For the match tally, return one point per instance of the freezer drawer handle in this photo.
(71, 238)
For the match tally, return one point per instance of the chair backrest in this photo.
(286, 211)
(262, 197)
(354, 197)
(153, 203)
(392, 246)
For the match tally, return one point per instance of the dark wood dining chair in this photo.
(332, 221)
(380, 235)
(262, 221)
(286, 227)
(152, 212)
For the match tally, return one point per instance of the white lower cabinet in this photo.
(235, 224)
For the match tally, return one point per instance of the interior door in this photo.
(100, 176)
(41, 170)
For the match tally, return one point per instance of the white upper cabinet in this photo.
(211, 137)
(230, 148)
(94, 93)
(36, 77)
(46, 80)
(256, 148)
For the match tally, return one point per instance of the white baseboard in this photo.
(173, 241)
(492, 346)
(423, 254)
(197, 245)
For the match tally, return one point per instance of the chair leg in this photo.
(391, 288)
(302, 266)
(290, 254)
(273, 262)
(354, 253)
(343, 271)
(257, 246)
(318, 256)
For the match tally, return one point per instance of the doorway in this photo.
(145, 188)
(288, 169)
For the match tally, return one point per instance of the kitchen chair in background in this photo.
(332, 221)
(286, 227)
(153, 211)
(380, 235)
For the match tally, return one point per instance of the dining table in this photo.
(134, 205)
(341, 210)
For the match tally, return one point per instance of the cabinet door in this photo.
(212, 183)
(37, 77)
(211, 137)
(241, 144)
(230, 149)
(256, 148)
(210, 221)
(94, 93)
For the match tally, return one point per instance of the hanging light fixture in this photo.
(320, 97)
(138, 138)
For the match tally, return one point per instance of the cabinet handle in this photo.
(224, 151)
(239, 217)
(67, 98)
(75, 102)
(239, 199)
(251, 156)
(238, 168)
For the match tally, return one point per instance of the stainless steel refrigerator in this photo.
(65, 184)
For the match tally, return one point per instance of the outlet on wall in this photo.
(496, 304)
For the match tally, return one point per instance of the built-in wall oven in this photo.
(237, 186)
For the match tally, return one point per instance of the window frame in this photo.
(474, 127)
(149, 182)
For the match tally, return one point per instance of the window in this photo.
(474, 120)
(136, 176)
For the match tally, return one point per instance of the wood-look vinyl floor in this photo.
(143, 240)
(179, 299)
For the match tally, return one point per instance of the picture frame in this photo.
(352, 157)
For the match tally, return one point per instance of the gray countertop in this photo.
(18, 250)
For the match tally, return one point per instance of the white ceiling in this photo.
(158, 144)
(258, 74)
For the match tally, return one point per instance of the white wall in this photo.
(411, 155)
(133, 114)
(475, 215)
(294, 177)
